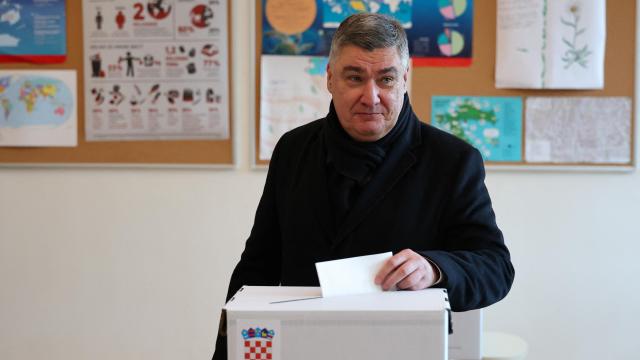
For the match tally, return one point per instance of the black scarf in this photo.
(351, 164)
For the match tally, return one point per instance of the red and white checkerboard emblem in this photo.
(258, 349)
(258, 343)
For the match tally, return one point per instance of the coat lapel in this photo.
(318, 194)
(399, 160)
(379, 186)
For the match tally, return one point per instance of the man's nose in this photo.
(370, 94)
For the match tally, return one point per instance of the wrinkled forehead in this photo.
(355, 58)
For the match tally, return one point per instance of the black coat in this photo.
(430, 198)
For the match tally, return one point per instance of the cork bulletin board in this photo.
(478, 79)
(115, 153)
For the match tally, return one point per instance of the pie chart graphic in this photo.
(157, 9)
(451, 9)
(450, 42)
(201, 16)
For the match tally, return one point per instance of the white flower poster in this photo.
(544, 44)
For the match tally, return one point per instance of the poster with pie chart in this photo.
(439, 31)
(444, 34)
(451, 9)
(450, 42)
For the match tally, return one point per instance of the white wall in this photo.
(134, 264)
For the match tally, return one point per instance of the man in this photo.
(371, 178)
(129, 59)
(99, 20)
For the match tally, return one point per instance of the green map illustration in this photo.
(491, 124)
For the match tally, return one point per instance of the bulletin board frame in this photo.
(130, 153)
(478, 80)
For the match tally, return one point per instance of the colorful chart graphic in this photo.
(450, 42)
(451, 9)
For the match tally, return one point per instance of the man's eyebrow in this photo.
(388, 70)
(353, 68)
(359, 70)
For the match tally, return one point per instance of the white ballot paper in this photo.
(550, 44)
(351, 276)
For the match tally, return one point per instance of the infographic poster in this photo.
(156, 70)
(439, 32)
(33, 31)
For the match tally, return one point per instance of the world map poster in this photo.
(38, 108)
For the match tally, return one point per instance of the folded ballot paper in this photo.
(351, 276)
(292, 323)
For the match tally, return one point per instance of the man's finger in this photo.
(389, 266)
(413, 281)
(400, 273)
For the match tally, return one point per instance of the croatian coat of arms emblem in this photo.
(258, 343)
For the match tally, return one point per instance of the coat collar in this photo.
(399, 160)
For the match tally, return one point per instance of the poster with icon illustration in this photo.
(156, 70)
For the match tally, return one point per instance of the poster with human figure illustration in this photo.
(156, 70)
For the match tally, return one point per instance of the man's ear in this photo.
(406, 78)
(329, 77)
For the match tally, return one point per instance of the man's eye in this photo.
(387, 80)
(354, 78)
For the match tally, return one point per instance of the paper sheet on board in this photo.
(550, 44)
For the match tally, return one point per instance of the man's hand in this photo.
(407, 270)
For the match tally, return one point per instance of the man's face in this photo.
(368, 90)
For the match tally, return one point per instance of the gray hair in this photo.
(370, 32)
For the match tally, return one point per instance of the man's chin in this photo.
(368, 134)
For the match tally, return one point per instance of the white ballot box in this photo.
(296, 323)
(466, 341)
